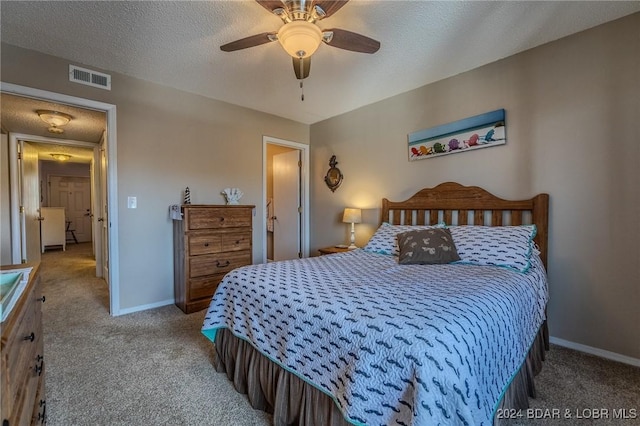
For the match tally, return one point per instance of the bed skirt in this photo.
(292, 401)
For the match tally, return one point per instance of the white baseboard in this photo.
(145, 307)
(595, 351)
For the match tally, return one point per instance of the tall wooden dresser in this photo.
(209, 241)
(22, 357)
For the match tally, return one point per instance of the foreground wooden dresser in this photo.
(22, 362)
(209, 241)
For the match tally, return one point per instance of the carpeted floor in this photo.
(154, 367)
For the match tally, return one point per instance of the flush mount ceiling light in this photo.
(54, 119)
(61, 157)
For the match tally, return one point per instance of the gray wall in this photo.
(166, 140)
(573, 120)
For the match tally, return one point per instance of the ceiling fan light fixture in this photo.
(300, 39)
(54, 119)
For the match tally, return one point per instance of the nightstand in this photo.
(332, 249)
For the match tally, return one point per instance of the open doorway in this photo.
(103, 214)
(285, 189)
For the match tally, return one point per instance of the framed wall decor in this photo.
(333, 178)
(480, 131)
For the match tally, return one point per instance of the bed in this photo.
(358, 338)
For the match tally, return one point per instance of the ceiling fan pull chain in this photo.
(301, 79)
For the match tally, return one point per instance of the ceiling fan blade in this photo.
(330, 6)
(348, 40)
(251, 41)
(271, 4)
(301, 67)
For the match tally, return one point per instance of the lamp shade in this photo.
(352, 215)
(300, 39)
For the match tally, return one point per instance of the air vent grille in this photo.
(89, 77)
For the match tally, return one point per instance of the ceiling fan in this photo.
(300, 36)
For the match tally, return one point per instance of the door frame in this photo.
(111, 178)
(17, 251)
(304, 192)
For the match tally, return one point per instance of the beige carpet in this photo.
(145, 368)
(154, 367)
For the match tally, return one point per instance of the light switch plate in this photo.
(132, 202)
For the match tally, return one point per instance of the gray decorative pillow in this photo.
(427, 247)
(384, 240)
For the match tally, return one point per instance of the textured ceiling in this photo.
(18, 115)
(177, 44)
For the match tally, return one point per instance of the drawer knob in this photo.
(41, 299)
(31, 337)
(42, 416)
(219, 265)
(206, 244)
(222, 219)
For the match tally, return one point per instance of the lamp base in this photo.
(352, 246)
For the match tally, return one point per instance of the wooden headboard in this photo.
(456, 204)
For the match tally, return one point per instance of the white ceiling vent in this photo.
(89, 77)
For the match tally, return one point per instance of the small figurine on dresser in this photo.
(187, 196)
(232, 195)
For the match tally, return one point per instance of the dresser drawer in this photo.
(204, 287)
(236, 241)
(220, 263)
(21, 355)
(218, 241)
(206, 243)
(215, 218)
(20, 362)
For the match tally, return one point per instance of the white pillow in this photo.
(384, 240)
(504, 246)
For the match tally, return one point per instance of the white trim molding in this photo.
(613, 356)
(304, 175)
(112, 174)
(146, 307)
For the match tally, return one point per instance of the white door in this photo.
(30, 202)
(74, 194)
(103, 218)
(286, 206)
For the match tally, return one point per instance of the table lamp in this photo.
(352, 216)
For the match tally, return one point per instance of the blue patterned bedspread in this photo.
(391, 344)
